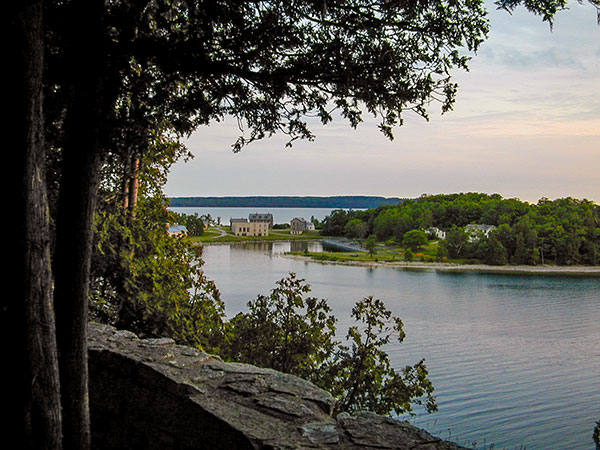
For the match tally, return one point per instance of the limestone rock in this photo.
(153, 394)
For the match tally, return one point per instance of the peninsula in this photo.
(343, 201)
(466, 231)
(453, 267)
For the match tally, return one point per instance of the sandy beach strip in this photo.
(448, 267)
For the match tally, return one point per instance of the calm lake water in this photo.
(515, 360)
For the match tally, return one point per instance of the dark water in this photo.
(515, 360)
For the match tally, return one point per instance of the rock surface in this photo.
(154, 394)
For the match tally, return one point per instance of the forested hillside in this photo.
(346, 201)
(564, 231)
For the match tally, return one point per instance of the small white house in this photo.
(177, 230)
(435, 231)
(475, 230)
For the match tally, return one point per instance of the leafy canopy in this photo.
(271, 64)
(148, 282)
(414, 239)
(360, 375)
(294, 334)
(284, 331)
(563, 231)
(545, 8)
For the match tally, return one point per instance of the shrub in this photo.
(293, 334)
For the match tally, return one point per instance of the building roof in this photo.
(177, 229)
(480, 226)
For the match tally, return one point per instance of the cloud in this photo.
(525, 60)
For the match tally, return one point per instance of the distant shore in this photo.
(457, 268)
(265, 202)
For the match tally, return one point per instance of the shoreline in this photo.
(588, 271)
(458, 268)
(246, 241)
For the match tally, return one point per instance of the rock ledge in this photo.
(154, 394)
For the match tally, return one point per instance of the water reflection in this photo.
(278, 247)
(258, 246)
(305, 246)
(514, 359)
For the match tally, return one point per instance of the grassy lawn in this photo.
(210, 234)
(382, 254)
(430, 249)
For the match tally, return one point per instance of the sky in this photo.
(526, 124)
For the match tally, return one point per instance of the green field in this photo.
(383, 253)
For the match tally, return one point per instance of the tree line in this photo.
(343, 201)
(564, 231)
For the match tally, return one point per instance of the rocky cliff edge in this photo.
(153, 394)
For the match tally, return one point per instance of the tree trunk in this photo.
(74, 232)
(131, 184)
(134, 185)
(31, 393)
(80, 173)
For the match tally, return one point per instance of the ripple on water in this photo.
(514, 359)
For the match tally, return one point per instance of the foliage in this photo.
(414, 239)
(563, 231)
(442, 251)
(456, 242)
(355, 228)
(318, 225)
(496, 253)
(335, 223)
(277, 201)
(545, 8)
(284, 330)
(148, 282)
(370, 245)
(290, 333)
(193, 223)
(360, 375)
(270, 64)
